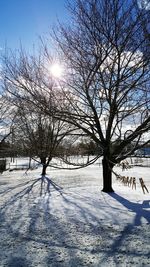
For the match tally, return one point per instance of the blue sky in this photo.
(24, 20)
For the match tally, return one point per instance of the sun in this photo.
(56, 70)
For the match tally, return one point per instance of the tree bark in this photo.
(43, 162)
(44, 170)
(107, 176)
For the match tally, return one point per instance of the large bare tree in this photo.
(108, 76)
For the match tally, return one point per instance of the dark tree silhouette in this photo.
(106, 54)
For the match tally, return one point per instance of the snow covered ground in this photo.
(64, 220)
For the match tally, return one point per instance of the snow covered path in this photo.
(64, 220)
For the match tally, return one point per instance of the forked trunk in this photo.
(107, 176)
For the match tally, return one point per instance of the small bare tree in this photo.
(108, 77)
(41, 135)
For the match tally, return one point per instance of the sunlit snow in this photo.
(64, 219)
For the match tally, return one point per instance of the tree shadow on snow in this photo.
(31, 221)
(27, 219)
(18, 262)
(20, 202)
(37, 187)
(45, 186)
(121, 244)
(54, 233)
(138, 208)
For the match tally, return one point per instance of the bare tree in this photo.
(31, 89)
(41, 135)
(108, 77)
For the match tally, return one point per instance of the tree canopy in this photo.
(108, 69)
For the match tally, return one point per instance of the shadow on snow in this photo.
(70, 236)
(122, 243)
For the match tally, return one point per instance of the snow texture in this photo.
(65, 220)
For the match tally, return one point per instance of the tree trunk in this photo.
(44, 170)
(43, 162)
(107, 176)
(29, 162)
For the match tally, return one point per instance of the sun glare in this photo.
(56, 70)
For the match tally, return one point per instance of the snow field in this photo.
(64, 220)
